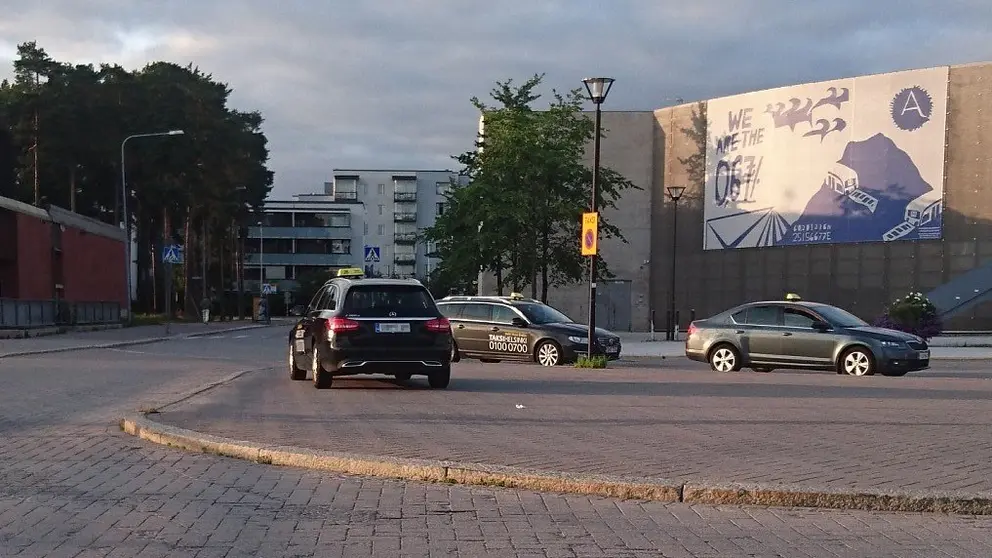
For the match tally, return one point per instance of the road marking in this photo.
(240, 336)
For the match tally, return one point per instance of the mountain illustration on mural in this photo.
(888, 181)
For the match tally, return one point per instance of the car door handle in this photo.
(494, 328)
(461, 326)
(787, 334)
(740, 331)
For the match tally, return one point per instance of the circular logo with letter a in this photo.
(911, 108)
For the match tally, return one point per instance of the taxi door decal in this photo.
(508, 341)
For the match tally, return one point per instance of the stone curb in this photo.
(632, 488)
(129, 343)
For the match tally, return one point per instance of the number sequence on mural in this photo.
(736, 179)
(507, 344)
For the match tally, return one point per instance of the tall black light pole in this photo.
(598, 89)
(124, 212)
(674, 192)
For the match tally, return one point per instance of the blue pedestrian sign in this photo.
(172, 254)
(269, 288)
(372, 253)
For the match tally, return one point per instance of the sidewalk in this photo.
(118, 337)
(950, 347)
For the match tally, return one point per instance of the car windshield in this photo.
(543, 314)
(381, 301)
(840, 318)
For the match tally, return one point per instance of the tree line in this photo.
(61, 130)
(520, 215)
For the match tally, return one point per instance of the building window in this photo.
(440, 208)
(443, 188)
(321, 246)
(365, 189)
(382, 189)
(381, 209)
(382, 229)
(323, 219)
(278, 220)
(341, 246)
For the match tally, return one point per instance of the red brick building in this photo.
(58, 267)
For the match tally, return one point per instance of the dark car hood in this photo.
(885, 333)
(576, 329)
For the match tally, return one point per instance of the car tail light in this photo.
(691, 330)
(438, 325)
(340, 325)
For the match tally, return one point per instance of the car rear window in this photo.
(381, 301)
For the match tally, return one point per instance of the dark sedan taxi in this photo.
(496, 328)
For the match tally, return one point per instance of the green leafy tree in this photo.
(62, 126)
(520, 215)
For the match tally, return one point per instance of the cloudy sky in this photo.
(387, 83)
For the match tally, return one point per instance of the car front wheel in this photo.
(294, 368)
(548, 353)
(857, 362)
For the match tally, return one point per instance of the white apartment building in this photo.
(396, 206)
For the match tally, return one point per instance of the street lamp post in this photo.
(598, 89)
(127, 220)
(675, 193)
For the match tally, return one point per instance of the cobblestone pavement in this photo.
(680, 421)
(72, 485)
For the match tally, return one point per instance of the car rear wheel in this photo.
(294, 370)
(548, 353)
(455, 357)
(857, 362)
(321, 378)
(439, 379)
(725, 358)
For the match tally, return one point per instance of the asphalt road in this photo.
(71, 484)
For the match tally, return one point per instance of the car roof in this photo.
(805, 303)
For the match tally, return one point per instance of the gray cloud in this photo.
(386, 84)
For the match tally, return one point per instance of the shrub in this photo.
(914, 313)
(597, 361)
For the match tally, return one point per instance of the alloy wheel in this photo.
(723, 360)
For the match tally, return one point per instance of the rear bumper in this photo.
(695, 354)
(412, 360)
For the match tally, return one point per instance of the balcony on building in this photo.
(405, 216)
(405, 238)
(345, 187)
(403, 258)
(404, 188)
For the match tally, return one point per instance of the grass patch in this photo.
(595, 361)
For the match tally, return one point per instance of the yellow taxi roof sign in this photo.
(793, 297)
(353, 272)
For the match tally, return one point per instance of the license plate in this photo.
(612, 350)
(300, 346)
(392, 328)
(923, 355)
(299, 334)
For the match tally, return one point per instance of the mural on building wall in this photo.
(850, 160)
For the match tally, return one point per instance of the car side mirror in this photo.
(821, 326)
(518, 322)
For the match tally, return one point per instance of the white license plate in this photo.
(392, 327)
(923, 355)
(301, 346)
(612, 350)
(299, 334)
